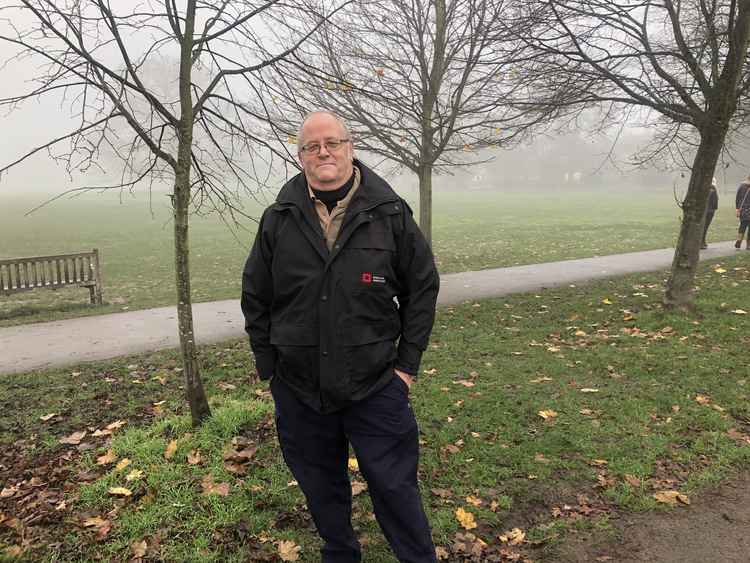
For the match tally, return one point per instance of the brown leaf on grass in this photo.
(474, 501)
(671, 497)
(466, 519)
(734, 434)
(702, 399)
(288, 550)
(14, 551)
(241, 456)
(50, 416)
(632, 480)
(441, 553)
(547, 414)
(464, 382)
(235, 468)
(442, 493)
(541, 380)
(598, 462)
(102, 526)
(358, 487)
(120, 491)
(116, 425)
(74, 439)
(211, 488)
(139, 548)
(171, 449)
(516, 536)
(226, 386)
(194, 457)
(107, 458)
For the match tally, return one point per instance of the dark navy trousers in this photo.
(383, 433)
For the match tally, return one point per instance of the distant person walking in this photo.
(711, 207)
(742, 203)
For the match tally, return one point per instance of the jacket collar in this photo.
(372, 191)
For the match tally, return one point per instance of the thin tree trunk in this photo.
(425, 201)
(679, 291)
(196, 395)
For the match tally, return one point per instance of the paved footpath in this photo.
(59, 343)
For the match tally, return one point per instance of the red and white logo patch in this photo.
(366, 277)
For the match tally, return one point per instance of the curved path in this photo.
(59, 343)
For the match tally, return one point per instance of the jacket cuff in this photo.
(265, 364)
(409, 356)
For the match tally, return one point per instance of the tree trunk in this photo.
(196, 395)
(679, 291)
(425, 201)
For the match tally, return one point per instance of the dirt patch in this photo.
(713, 528)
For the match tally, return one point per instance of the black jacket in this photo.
(713, 200)
(743, 195)
(327, 323)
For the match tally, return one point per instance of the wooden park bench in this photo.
(81, 269)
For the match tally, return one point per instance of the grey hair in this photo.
(340, 121)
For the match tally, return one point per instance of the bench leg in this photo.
(92, 291)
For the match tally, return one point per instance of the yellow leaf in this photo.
(671, 497)
(120, 491)
(107, 458)
(606, 301)
(47, 417)
(288, 550)
(171, 449)
(134, 475)
(466, 519)
(547, 414)
(124, 462)
(580, 333)
(702, 399)
(540, 380)
(194, 457)
(739, 312)
(516, 536)
(720, 271)
(353, 464)
(474, 501)
(589, 390)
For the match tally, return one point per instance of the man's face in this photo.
(326, 169)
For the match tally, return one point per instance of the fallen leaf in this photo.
(226, 386)
(119, 491)
(236, 468)
(124, 462)
(547, 414)
(171, 449)
(671, 497)
(94, 522)
(74, 439)
(194, 457)
(47, 417)
(288, 550)
(441, 553)
(474, 501)
(702, 399)
(134, 475)
(466, 519)
(211, 488)
(139, 548)
(598, 462)
(241, 456)
(540, 380)
(107, 458)
(720, 271)
(115, 425)
(606, 301)
(8, 492)
(516, 536)
(358, 487)
(632, 480)
(353, 464)
(464, 382)
(739, 312)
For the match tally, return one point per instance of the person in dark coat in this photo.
(711, 207)
(742, 206)
(339, 294)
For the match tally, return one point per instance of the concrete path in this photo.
(59, 343)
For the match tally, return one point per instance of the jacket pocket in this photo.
(297, 356)
(370, 352)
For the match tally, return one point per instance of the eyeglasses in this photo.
(330, 145)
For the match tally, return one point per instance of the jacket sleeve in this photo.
(257, 296)
(420, 282)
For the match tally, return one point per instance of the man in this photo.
(711, 206)
(339, 296)
(742, 206)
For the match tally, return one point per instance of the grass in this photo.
(638, 400)
(472, 230)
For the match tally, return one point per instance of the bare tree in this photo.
(191, 128)
(422, 84)
(677, 65)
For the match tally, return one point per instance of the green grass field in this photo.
(472, 230)
(549, 412)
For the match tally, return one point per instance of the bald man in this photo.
(339, 296)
